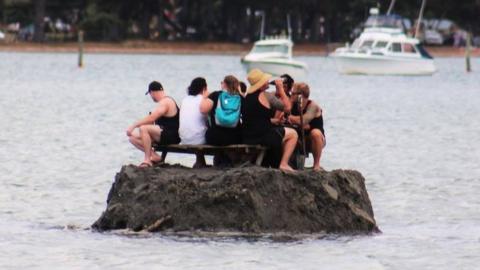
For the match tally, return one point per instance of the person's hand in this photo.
(279, 87)
(275, 121)
(290, 119)
(130, 130)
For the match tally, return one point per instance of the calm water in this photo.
(415, 139)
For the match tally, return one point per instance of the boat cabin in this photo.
(387, 41)
(273, 47)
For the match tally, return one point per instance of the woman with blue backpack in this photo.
(223, 109)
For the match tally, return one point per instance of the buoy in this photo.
(80, 49)
(468, 47)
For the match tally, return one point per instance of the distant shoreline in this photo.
(148, 47)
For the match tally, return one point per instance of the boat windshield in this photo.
(395, 47)
(381, 44)
(367, 44)
(270, 48)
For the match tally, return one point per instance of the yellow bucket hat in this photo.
(257, 79)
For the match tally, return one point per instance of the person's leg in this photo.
(149, 133)
(318, 142)
(289, 143)
(136, 141)
(199, 161)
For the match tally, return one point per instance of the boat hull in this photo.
(383, 65)
(296, 70)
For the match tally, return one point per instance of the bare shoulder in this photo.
(167, 102)
(314, 105)
(169, 106)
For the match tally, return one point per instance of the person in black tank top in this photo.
(159, 127)
(258, 108)
(312, 122)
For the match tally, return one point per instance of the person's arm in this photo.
(307, 116)
(206, 105)
(159, 111)
(274, 102)
(278, 118)
(283, 96)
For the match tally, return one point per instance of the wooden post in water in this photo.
(80, 49)
(468, 47)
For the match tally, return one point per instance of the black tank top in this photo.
(169, 123)
(255, 118)
(316, 122)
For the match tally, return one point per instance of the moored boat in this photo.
(384, 51)
(383, 48)
(274, 55)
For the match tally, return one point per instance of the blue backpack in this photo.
(227, 113)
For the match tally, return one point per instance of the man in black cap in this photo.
(159, 127)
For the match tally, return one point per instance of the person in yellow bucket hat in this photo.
(258, 108)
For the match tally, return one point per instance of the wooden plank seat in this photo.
(238, 153)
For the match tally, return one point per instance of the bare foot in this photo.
(156, 161)
(286, 168)
(155, 158)
(318, 169)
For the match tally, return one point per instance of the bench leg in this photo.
(260, 157)
(164, 155)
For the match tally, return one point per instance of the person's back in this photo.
(256, 119)
(224, 119)
(192, 122)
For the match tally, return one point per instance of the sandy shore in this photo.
(148, 47)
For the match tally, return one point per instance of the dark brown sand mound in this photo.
(250, 200)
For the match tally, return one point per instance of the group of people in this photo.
(236, 114)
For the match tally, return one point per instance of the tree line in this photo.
(223, 20)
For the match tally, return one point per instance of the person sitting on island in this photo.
(193, 123)
(160, 126)
(312, 121)
(258, 107)
(223, 109)
(287, 84)
(279, 118)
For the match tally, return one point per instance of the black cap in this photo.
(154, 86)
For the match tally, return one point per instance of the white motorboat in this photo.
(384, 50)
(274, 55)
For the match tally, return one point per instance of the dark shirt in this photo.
(255, 119)
(171, 123)
(316, 122)
(217, 135)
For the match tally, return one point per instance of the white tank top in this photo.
(193, 124)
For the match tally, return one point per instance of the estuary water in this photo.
(416, 140)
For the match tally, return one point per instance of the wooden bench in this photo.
(241, 152)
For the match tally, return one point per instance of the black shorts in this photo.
(168, 137)
(273, 140)
(223, 136)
